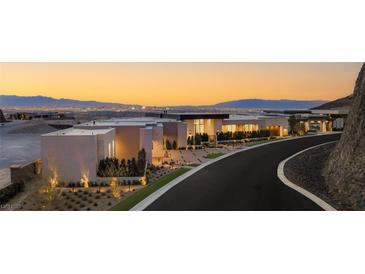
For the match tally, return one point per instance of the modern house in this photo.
(72, 154)
(76, 152)
(197, 123)
(303, 123)
(315, 120)
(338, 116)
(173, 130)
(277, 125)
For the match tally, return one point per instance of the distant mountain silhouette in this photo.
(271, 104)
(42, 101)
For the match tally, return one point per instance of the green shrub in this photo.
(112, 167)
(239, 135)
(198, 139)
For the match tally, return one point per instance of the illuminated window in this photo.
(109, 154)
(199, 126)
(250, 127)
(113, 146)
(231, 128)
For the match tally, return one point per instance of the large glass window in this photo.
(199, 126)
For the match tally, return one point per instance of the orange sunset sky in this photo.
(179, 83)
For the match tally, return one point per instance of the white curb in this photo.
(158, 193)
(302, 191)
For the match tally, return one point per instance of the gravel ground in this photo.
(305, 170)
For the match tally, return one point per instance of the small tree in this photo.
(134, 167)
(129, 168)
(174, 145)
(141, 161)
(168, 145)
(198, 139)
(123, 168)
(295, 126)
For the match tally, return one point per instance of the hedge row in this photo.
(239, 135)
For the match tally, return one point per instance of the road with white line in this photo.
(244, 181)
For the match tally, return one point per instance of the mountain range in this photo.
(42, 101)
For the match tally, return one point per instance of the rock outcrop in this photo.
(341, 104)
(345, 169)
(2, 117)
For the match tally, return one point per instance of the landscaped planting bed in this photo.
(92, 198)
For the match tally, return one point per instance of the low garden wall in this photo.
(19, 176)
(25, 172)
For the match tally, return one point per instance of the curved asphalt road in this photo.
(244, 181)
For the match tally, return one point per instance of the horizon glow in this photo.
(171, 84)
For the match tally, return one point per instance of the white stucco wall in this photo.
(69, 156)
(145, 141)
(103, 143)
(182, 135)
(175, 131)
(72, 156)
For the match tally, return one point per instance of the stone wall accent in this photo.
(25, 172)
(345, 169)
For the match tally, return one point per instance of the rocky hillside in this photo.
(270, 104)
(2, 117)
(345, 170)
(342, 103)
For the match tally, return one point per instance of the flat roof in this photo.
(189, 115)
(146, 119)
(302, 117)
(79, 132)
(330, 111)
(236, 118)
(119, 122)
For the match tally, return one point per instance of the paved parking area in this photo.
(17, 148)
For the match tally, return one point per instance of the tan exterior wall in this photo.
(175, 131)
(157, 142)
(145, 141)
(127, 142)
(70, 157)
(106, 145)
(281, 124)
(182, 135)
